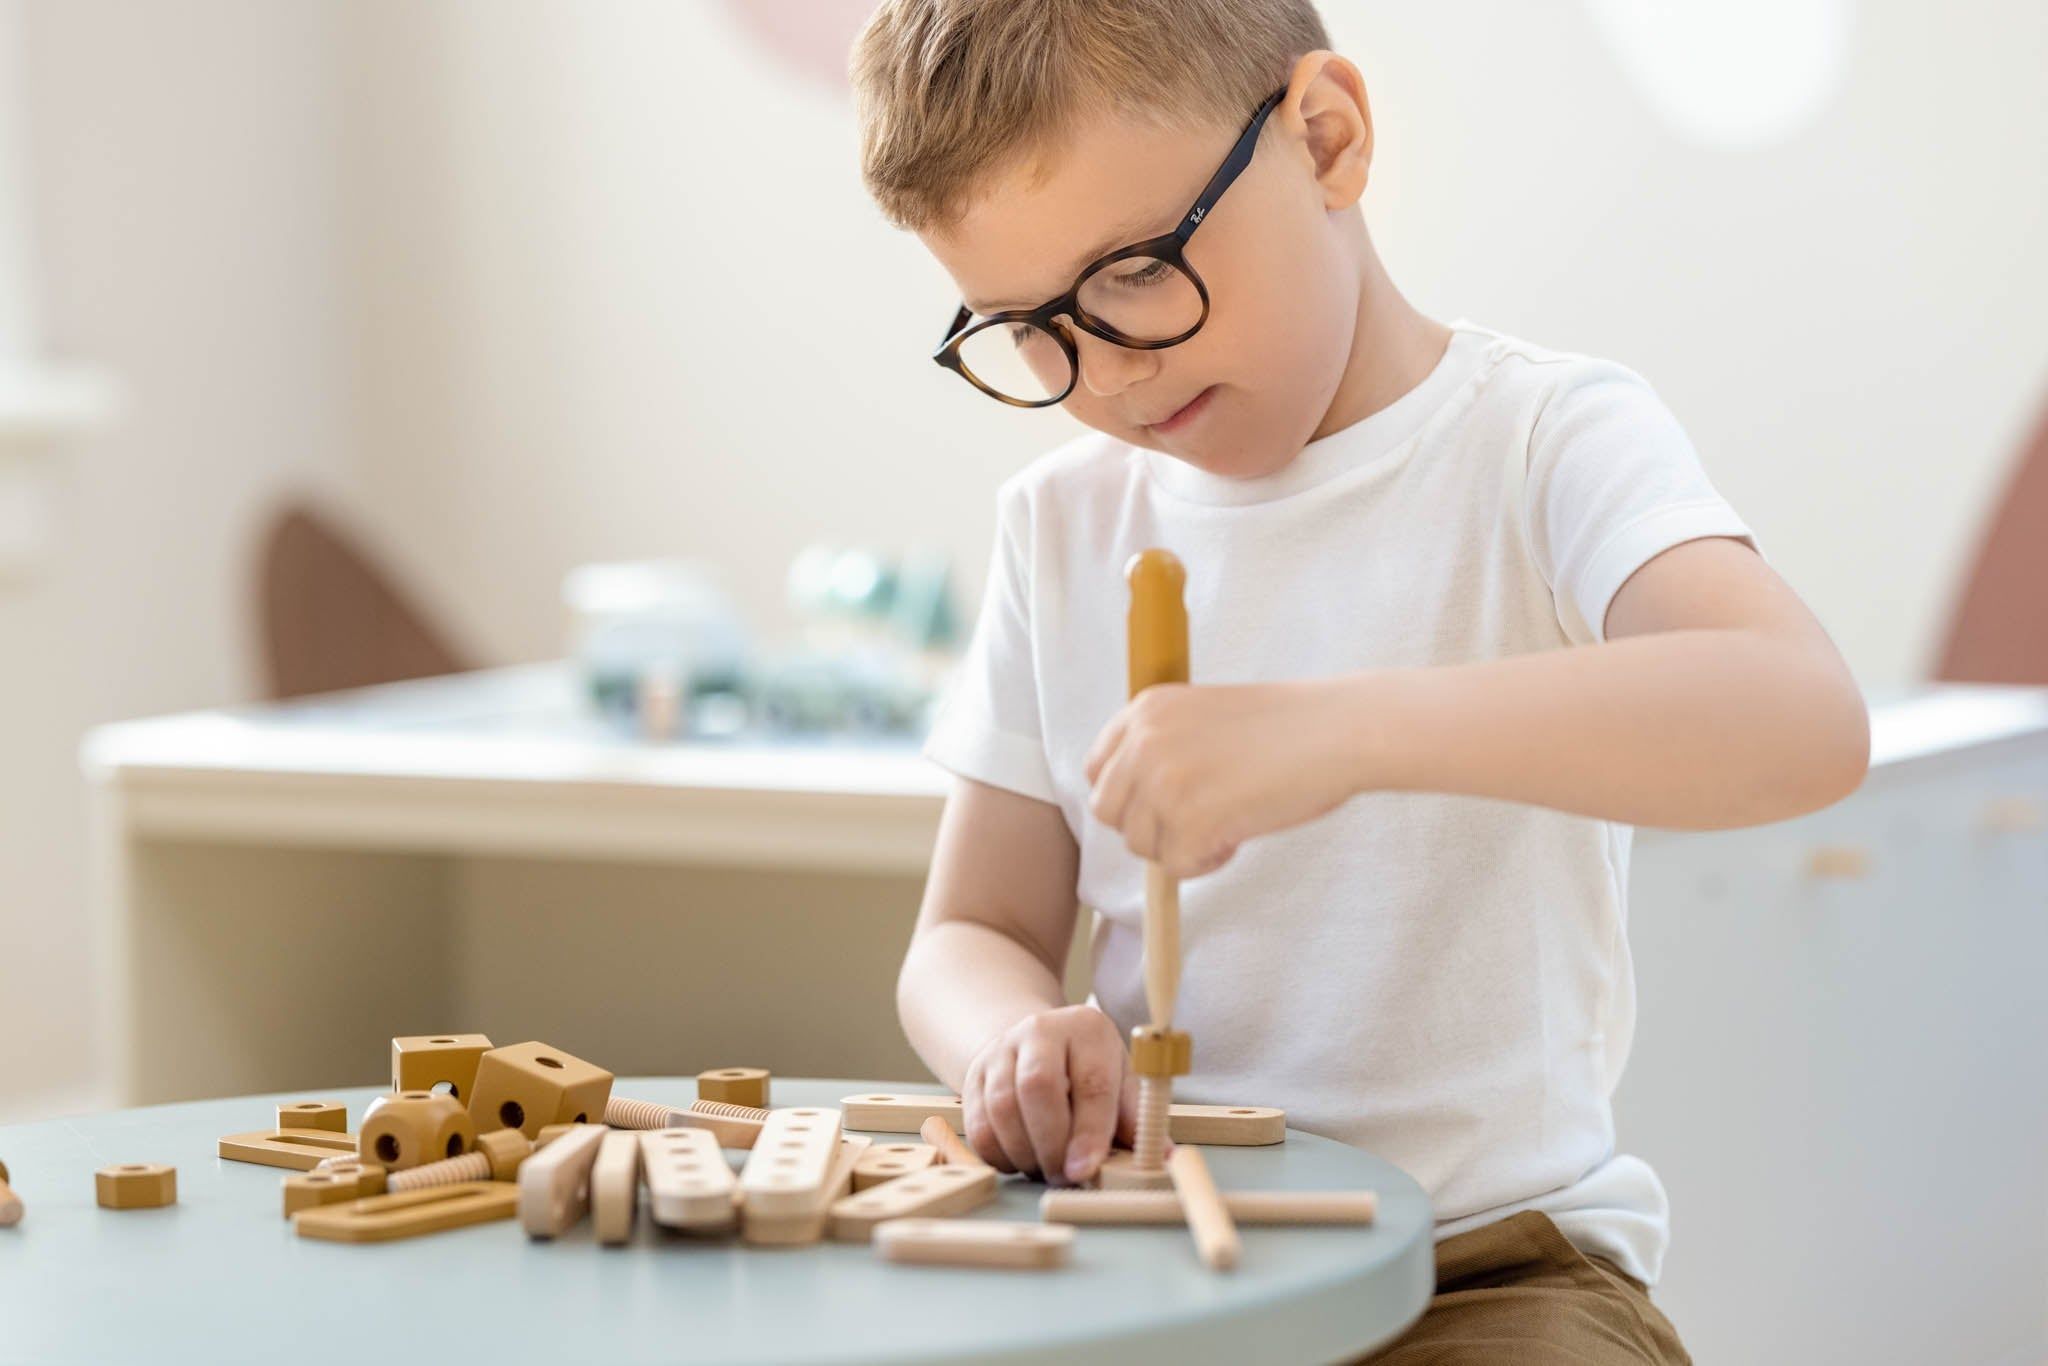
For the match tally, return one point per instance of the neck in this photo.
(1393, 347)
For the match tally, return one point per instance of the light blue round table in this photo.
(221, 1276)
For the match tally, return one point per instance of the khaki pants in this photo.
(1517, 1291)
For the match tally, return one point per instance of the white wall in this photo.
(184, 210)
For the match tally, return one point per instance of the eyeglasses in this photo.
(1145, 296)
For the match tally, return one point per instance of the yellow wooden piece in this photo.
(887, 1161)
(735, 1086)
(298, 1149)
(1246, 1207)
(615, 1186)
(408, 1214)
(421, 1062)
(528, 1085)
(1219, 1126)
(136, 1185)
(975, 1242)
(1157, 633)
(622, 1113)
(370, 1178)
(10, 1203)
(328, 1115)
(554, 1184)
(689, 1184)
(413, 1128)
(331, 1186)
(921, 1195)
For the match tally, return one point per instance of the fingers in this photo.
(1042, 1099)
(1106, 743)
(981, 1135)
(1094, 1081)
(1005, 1117)
(1127, 1111)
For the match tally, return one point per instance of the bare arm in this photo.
(981, 998)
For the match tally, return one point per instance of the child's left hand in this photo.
(1189, 771)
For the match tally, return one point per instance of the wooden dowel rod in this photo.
(1246, 1207)
(952, 1152)
(1209, 1220)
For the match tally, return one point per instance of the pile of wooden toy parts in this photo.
(473, 1133)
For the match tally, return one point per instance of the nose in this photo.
(1107, 368)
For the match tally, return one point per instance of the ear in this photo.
(1326, 109)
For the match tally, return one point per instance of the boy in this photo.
(1462, 612)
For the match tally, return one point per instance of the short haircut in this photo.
(953, 91)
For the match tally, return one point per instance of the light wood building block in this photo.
(887, 1161)
(1219, 1126)
(950, 1148)
(136, 1185)
(974, 1242)
(298, 1149)
(920, 1195)
(528, 1085)
(409, 1214)
(737, 1126)
(10, 1203)
(1121, 1171)
(554, 1184)
(421, 1062)
(413, 1128)
(615, 1186)
(791, 1162)
(622, 1113)
(735, 1086)
(328, 1115)
(1215, 1233)
(1246, 1207)
(689, 1183)
(804, 1229)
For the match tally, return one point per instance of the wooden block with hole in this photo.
(554, 1184)
(974, 1242)
(409, 1214)
(529, 1085)
(413, 1128)
(1224, 1126)
(735, 1086)
(615, 1187)
(424, 1062)
(921, 1195)
(329, 1186)
(791, 1162)
(689, 1184)
(136, 1185)
(330, 1116)
(807, 1228)
(887, 1161)
(296, 1149)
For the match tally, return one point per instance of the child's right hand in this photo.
(1047, 1095)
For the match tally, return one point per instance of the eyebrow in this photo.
(1123, 235)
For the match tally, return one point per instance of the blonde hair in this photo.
(950, 91)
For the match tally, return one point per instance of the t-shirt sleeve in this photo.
(1613, 482)
(987, 726)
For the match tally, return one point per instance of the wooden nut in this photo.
(136, 1185)
(527, 1085)
(506, 1148)
(329, 1115)
(421, 1062)
(413, 1128)
(735, 1086)
(1159, 1052)
(368, 1176)
(309, 1189)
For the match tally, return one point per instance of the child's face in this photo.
(1243, 395)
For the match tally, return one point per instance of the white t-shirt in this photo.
(1442, 980)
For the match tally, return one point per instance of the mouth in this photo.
(1183, 415)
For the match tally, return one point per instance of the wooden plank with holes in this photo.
(887, 1161)
(689, 1183)
(554, 1183)
(920, 1195)
(409, 1214)
(298, 1150)
(615, 1187)
(808, 1227)
(737, 1126)
(974, 1242)
(1224, 1126)
(791, 1162)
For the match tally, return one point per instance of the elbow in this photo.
(1836, 758)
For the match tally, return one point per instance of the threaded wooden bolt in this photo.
(725, 1111)
(1155, 1112)
(621, 1113)
(497, 1158)
(10, 1203)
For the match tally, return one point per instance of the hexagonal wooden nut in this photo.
(330, 1115)
(136, 1185)
(414, 1127)
(306, 1190)
(735, 1086)
(507, 1149)
(420, 1062)
(527, 1086)
(368, 1176)
(1159, 1052)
